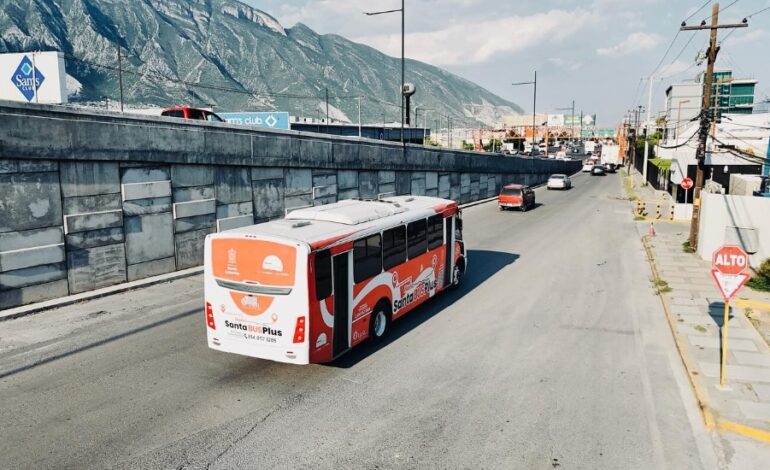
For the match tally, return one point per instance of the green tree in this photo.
(496, 143)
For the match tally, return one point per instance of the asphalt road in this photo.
(554, 353)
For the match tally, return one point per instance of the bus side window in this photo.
(458, 228)
(323, 275)
(393, 247)
(435, 231)
(416, 237)
(367, 258)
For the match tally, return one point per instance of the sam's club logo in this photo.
(27, 78)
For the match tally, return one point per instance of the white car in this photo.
(559, 182)
(587, 167)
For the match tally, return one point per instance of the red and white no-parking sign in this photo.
(686, 184)
(728, 264)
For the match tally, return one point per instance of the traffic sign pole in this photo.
(723, 369)
(729, 263)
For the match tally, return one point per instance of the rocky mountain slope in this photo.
(225, 53)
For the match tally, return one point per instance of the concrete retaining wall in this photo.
(89, 200)
(735, 220)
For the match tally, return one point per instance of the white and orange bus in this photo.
(309, 287)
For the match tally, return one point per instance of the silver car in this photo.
(559, 182)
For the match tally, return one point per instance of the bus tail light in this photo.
(210, 316)
(299, 330)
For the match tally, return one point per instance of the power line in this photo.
(156, 74)
(668, 49)
(699, 9)
(758, 12)
(722, 9)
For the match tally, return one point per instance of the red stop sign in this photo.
(686, 184)
(730, 259)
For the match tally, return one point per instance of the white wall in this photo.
(722, 211)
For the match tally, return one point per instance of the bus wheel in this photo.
(459, 272)
(379, 323)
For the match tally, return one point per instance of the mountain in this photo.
(234, 56)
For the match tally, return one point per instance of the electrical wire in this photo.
(680, 53)
(758, 12)
(722, 9)
(680, 145)
(696, 11)
(665, 54)
(243, 91)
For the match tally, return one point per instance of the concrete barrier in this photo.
(91, 199)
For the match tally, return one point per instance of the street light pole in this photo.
(359, 116)
(401, 87)
(534, 103)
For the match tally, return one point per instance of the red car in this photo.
(186, 112)
(516, 196)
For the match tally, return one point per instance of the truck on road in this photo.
(610, 154)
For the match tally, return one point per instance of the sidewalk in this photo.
(695, 309)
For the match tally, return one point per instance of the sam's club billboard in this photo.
(276, 120)
(33, 77)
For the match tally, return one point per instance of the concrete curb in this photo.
(711, 419)
(29, 309)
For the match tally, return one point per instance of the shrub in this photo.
(762, 280)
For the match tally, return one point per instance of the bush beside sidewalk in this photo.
(695, 311)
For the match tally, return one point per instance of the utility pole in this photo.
(359, 116)
(327, 109)
(581, 126)
(403, 98)
(120, 77)
(637, 112)
(647, 131)
(700, 154)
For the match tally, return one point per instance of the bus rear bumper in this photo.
(297, 354)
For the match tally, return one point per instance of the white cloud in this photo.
(752, 36)
(676, 67)
(635, 42)
(476, 42)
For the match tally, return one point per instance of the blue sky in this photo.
(591, 51)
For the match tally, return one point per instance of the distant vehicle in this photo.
(561, 155)
(589, 146)
(311, 286)
(587, 166)
(559, 181)
(597, 170)
(610, 154)
(609, 167)
(516, 196)
(186, 112)
(764, 187)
